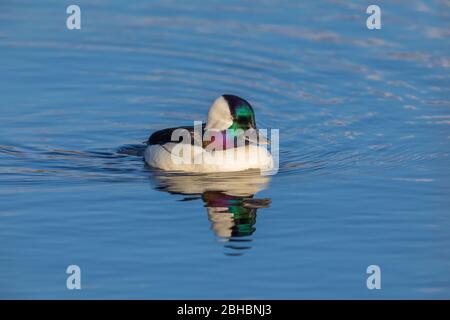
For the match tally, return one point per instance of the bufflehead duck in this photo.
(212, 147)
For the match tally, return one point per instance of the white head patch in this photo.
(219, 115)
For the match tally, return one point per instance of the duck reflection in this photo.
(229, 199)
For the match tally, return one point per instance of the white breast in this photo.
(198, 160)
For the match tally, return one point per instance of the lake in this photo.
(364, 122)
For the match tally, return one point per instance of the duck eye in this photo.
(242, 120)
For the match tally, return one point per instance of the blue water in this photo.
(364, 120)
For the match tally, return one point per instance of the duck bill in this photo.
(257, 138)
(263, 140)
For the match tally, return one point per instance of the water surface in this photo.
(364, 150)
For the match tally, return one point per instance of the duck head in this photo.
(230, 112)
